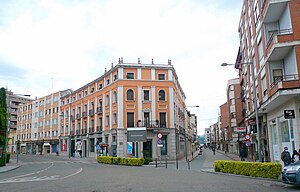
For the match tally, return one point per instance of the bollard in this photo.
(166, 163)
(176, 163)
(156, 162)
(189, 164)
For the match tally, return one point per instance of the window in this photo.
(107, 82)
(146, 95)
(130, 75)
(115, 77)
(92, 145)
(161, 77)
(164, 149)
(130, 96)
(114, 118)
(107, 120)
(106, 100)
(162, 120)
(100, 86)
(264, 86)
(161, 95)
(115, 97)
(130, 119)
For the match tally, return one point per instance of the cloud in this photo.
(73, 41)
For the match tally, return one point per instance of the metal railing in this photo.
(84, 115)
(152, 124)
(277, 79)
(99, 128)
(78, 116)
(278, 32)
(99, 110)
(91, 112)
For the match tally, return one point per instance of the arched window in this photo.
(161, 95)
(115, 97)
(130, 96)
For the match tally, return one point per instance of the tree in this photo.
(3, 116)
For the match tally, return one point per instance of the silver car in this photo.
(291, 174)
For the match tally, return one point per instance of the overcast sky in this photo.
(47, 46)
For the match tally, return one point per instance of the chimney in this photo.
(105, 70)
(112, 65)
(152, 62)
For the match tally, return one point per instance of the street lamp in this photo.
(8, 120)
(255, 105)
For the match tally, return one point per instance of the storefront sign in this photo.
(289, 114)
(240, 129)
(136, 134)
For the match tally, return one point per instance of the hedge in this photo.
(121, 161)
(254, 169)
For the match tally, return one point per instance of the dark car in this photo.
(291, 174)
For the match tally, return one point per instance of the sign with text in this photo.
(240, 129)
(138, 134)
(289, 114)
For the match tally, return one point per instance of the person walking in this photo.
(243, 154)
(213, 148)
(286, 156)
(295, 156)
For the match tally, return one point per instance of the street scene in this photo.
(38, 173)
(136, 95)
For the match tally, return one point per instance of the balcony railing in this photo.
(91, 130)
(72, 118)
(152, 124)
(278, 32)
(99, 128)
(84, 115)
(99, 110)
(84, 130)
(77, 132)
(91, 112)
(277, 79)
(72, 132)
(78, 116)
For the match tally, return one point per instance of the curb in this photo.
(12, 167)
(234, 175)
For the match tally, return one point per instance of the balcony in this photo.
(91, 112)
(72, 118)
(72, 132)
(84, 131)
(273, 9)
(84, 114)
(152, 124)
(99, 128)
(77, 132)
(91, 130)
(78, 116)
(99, 110)
(284, 82)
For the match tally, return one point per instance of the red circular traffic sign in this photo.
(159, 135)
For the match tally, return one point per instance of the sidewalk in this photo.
(10, 166)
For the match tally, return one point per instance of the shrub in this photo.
(147, 160)
(254, 169)
(121, 161)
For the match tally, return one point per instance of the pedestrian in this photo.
(295, 156)
(243, 154)
(213, 147)
(286, 156)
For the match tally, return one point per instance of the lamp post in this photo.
(8, 121)
(255, 106)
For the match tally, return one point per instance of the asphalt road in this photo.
(43, 173)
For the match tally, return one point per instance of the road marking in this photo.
(42, 178)
(37, 172)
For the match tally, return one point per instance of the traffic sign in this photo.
(159, 142)
(247, 137)
(97, 147)
(159, 135)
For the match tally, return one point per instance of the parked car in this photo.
(291, 174)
